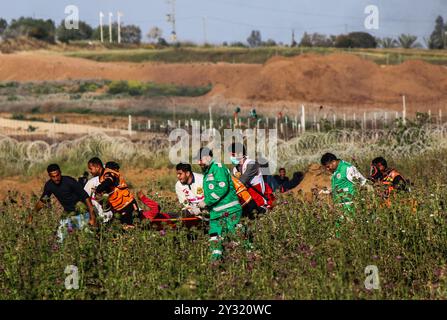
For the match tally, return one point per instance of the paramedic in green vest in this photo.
(344, 182)
(220, 200)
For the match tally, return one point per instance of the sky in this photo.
(216, 21)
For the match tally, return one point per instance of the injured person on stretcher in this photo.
(160, 219)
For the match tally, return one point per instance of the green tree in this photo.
(131, 34)
(387, 43)
(155, 33)
(356, 40)
(162, 42)
(269, 43)
(84, 32)
(3, 26)
(321, 40)
(306, 40)
(437, 38)
(40, 29)
(255, 40)
(408, 41)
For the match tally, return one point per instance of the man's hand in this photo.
(92, 221)
(201, 205)
(369, 188)
(140, 194)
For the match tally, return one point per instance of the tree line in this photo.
(46, 30)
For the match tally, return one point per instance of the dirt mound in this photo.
(21, 44)
(46, 66)
(337, 79)
(316, 179)
(340, 78)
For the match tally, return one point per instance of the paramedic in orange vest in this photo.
(111, 182)
(389, 179)
(248, 172)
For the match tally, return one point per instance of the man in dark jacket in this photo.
(68, 192)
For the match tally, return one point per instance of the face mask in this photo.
(234, 160)
(375, 173)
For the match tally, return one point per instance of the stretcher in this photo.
(160, 220)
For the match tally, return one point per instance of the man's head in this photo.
(378, 168)
(205, 156)
(329, 161)
(113, 166)
(282, 172)
(54, 172)
(95, 166)
(184, 173)
(237, 153)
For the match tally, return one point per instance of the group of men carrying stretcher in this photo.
(218, 197)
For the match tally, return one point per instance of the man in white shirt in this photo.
(95, 166)
(189, 188)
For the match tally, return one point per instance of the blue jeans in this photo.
(70, 224)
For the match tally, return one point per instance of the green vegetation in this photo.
(39, 29)
(298, 255)
(137, 88)
(78, 87)
(255, 55)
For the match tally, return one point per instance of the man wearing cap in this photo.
(220, 199)
(249, 173)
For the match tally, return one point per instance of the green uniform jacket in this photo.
(343, 182)
(220, 195)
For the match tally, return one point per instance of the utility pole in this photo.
(119, 14)
(110, 26)
(101, 16)
(171, 18)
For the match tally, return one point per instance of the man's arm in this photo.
(355, 176)
(251, 171)
(217, 187)
(84, 197)
(180, 194)
(91, 211)
(40, 203)
(105, 186)
(399, 183)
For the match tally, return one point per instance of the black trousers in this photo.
(128, 212)
(250, 209)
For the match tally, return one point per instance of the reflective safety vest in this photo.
(241, 192)
(257, 182)
(387, 181)
(120, 196)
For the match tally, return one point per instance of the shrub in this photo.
(356, 40)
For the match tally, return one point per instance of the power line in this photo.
(270, 26)
(301, 13)
(205, 40)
